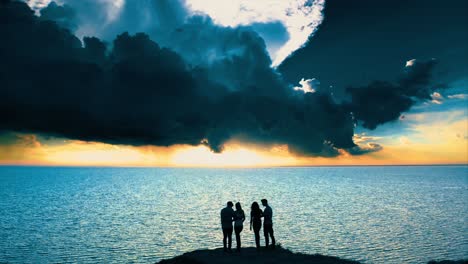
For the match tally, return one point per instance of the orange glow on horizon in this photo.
(232, 156)
(97, 156)
(435, 143)
(79, 153)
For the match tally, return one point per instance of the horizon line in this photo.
(230, 167)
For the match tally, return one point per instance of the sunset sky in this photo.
(242, 83)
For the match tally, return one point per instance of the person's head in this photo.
(230, 204)
(255, 206)
(264, 202)
(238, 206)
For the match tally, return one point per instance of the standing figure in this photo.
(256, 221)
(239, 218)
(268, 223)
(227, 216)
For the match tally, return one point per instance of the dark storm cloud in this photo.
(361, 150)
(138, 94)
(364, 40)
(233, 57)
(312, 124)
(8, 138)
(213, 85)
(63, 15)
(381, 102)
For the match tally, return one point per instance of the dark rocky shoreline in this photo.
(251, 255)
(264, 256)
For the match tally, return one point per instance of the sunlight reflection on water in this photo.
(371, 214)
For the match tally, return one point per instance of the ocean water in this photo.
(142, 215)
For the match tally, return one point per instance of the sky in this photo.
(240, 83)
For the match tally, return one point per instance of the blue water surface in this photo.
(142, 215)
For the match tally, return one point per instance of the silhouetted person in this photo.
(239, 218)
(256, 222)
(227, 216)
(268, 223)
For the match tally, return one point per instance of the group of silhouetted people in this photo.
(228, 216)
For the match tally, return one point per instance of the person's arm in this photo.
(243, 216)
(250, 221)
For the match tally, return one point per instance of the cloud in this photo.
(382, 101)
(235, 56)
(365, 149)
(37, 4)
(410, 63)
(308, 86)
(63, 15)
(458, 96)
(214, 84)
(437, 98)
(136, 92)
(363, 138)
(106, 18)
(18, 147)
(365, 144)
(300, 17)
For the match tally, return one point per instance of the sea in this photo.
(377, 214)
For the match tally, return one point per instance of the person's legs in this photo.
(224, 238)
(265, 233)
(229, 234)
(271, 232)
(268, 232)
(257, 236)
(238, 230)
